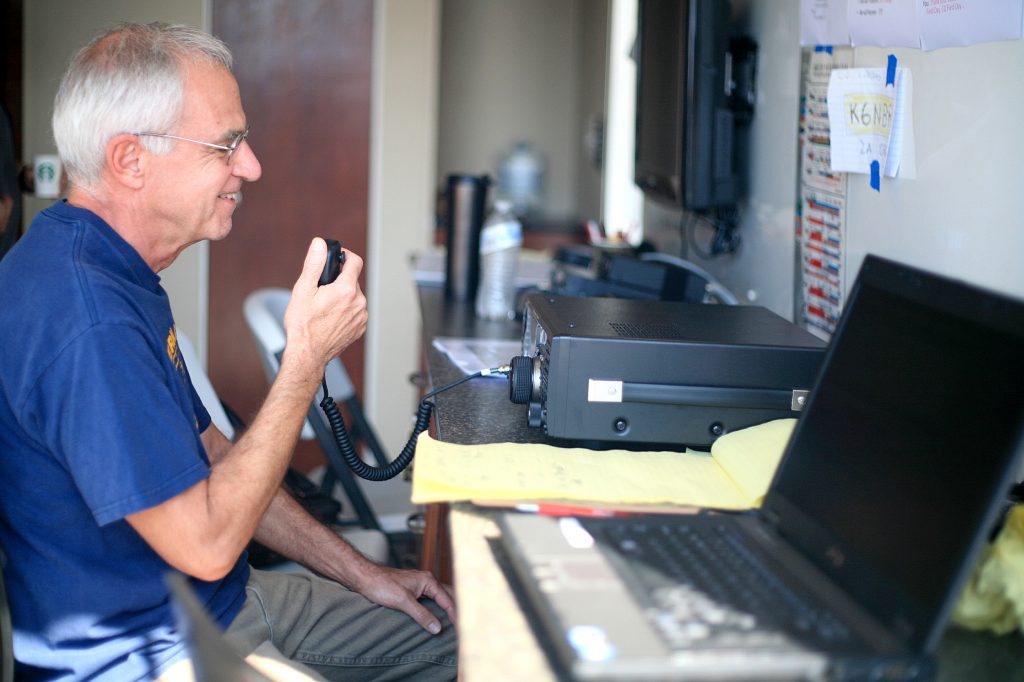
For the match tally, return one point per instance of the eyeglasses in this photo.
(230, 148)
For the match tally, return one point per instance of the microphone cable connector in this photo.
(504, 370)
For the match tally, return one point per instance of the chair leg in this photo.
(328, 481)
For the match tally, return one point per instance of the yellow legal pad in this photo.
(734, 475)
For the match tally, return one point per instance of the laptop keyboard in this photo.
(705, 584)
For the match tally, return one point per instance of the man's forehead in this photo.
(211, 92)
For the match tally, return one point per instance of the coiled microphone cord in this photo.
(397, 465)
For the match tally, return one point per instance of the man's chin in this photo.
(221, 231)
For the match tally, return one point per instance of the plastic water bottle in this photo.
(500, 241)
(521, 179)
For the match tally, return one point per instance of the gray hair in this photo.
(128, 80)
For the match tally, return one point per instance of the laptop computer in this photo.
(213, 657)
(892, 480)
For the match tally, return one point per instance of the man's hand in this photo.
(402, 589)
(320, 322)
(288, 529)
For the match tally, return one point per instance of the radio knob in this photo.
(520, 380)
(535, 416)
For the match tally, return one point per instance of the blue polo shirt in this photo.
(98, 420)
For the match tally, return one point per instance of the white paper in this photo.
(904, 123)
(925, 24)
(823, 22)
(863, 112)
(471, 355)
(901, 142)
(948, 23)
(886, 23)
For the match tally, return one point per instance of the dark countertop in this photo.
(479, 411)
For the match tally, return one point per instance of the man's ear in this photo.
(126, 160)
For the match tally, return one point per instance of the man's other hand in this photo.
(402, 589)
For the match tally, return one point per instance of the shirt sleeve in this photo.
(122, 420)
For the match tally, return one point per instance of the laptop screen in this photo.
(908, 437)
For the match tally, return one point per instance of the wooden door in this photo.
(304, 70)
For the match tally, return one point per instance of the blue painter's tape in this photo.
(876, 176)
(823, 48)
(890, 71)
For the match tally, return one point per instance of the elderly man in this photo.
(111, 474)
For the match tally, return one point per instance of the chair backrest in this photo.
(264, 313)
(203, 386)
(714, 291)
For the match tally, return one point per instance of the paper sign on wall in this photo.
(823, 22)
(948, 23)
(866, 119)
(927, 24)
(888, 23)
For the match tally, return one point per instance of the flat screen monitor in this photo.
(684, 123)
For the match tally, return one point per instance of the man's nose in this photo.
(244, 163)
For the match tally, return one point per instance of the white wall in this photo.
(403, 156)
(963, 215)
(960, 216)
(522, 70)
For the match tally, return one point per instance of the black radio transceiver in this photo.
(613, 369)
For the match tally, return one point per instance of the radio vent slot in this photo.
(654, 330)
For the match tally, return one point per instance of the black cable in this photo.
(372, 473)
(688, 227)
(461, 381)
(725, 237)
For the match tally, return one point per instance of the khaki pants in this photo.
(298, 627)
